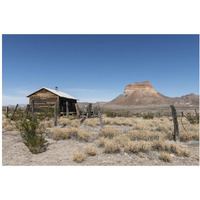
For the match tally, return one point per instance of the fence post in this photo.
(176, 129)
(55, 115)
(32, 108)
(14, 112)
(7, 109)
(77, 109)
(89, 110)
(67, 110)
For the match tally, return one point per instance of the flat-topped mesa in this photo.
(146, 85)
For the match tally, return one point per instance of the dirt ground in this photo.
(60, 153)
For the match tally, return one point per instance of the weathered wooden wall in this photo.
(43, 98)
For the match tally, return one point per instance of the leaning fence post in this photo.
(55, 115)
(176, 129)
(67, 110)
(32, 108)
(14, 112)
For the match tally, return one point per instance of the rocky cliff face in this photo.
(143, 93)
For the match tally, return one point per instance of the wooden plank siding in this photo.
(44, 98)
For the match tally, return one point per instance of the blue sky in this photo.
(98, 67)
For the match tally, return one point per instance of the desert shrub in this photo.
(31, 135)
(89, 150)
(148, 116)
(78, 157)
(46, 113)
(111, 147)
(110, 114)
(138, 146)
(109, 132)
(192, 118)
(164, 156)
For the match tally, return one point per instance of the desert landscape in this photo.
(137, 129)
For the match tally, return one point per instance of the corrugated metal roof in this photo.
(60, 94)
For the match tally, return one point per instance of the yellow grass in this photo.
(109, 132)
(111, 147)
(138, 146)
(47, 124)
(170, 147)
(66, 121)
(164, 156)
(59, 133)
(92, 122)
(84, 135)
(144, 135)
(89, 150)
(8, 125)
(78, 157)
(62, 133)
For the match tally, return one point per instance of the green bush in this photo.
(110, 114)
(148, 116)
(32, 135)
(193, 119)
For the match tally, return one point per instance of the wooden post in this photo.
(67, 110)
(32, 108)
(89, 110)
(7, 109)
(100, 119)
(14, 112)
(77, 109)
(55, 116)
(176, 129)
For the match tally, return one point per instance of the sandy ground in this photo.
(60, 153)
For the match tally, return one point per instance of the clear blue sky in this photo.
(98, 67)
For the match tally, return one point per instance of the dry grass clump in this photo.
(84, 135)
(102, 141)
(91, 122)
(111, 147)
(66, 121)
(138, 146)
(122, 140)
(118, 121)
(170, 147)
(144, 135)
(8, 125)
(59, 133)
(109, 132)
(78, 157)
(141, 155)
(89, 150)
(47, 124)
(164, 156)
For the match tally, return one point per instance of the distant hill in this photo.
(143, 94)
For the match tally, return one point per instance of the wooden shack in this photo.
(46, 97)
